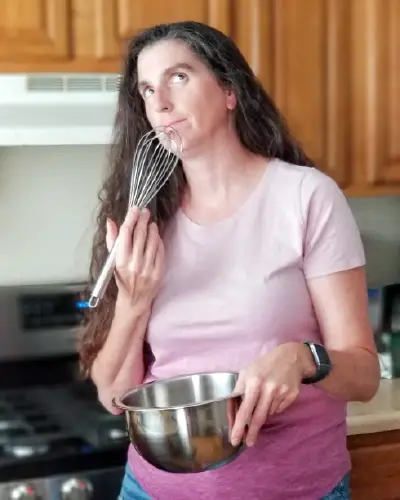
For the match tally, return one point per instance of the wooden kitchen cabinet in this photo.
(34, 31)
(332, 66)
(375, 117)
(299, 50)
(102, 26)
(87, 35)
(375, 466)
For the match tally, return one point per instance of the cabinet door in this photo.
(376, 93)
(299, 49)
(376, 472)
(103, 26)
(34, 30)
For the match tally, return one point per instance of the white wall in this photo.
(47, 205)
(48, 197)
(379, 222)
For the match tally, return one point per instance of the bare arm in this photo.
(119, 365)
(272, 383)
(341, 306)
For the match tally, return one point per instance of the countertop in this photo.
(380, 414)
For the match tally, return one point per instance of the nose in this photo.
(162, 101)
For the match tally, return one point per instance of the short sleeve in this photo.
(332, 240)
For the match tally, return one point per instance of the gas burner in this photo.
(35, 447)
(36, 418)
(116, 434)
(25, 450)
(6, 425)
(23, 407)
(3, 411)
(47, 429)
(84, 391)
(11, 428)
(109, 431)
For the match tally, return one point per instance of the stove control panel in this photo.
(43, 311)
(94, 484)
(76, 489)
(40, 320)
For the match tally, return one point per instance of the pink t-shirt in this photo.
(234, 290)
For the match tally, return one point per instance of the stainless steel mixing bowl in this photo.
(183, 424)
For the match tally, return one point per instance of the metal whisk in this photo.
(155, 159)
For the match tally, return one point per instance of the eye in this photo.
(178, 77)
(148, 91)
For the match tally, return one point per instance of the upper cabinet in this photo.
(33, 32)
(102, 27)
(88, 35)
(375, 118)
(332, 66)
(299, 49)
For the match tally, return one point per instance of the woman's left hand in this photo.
(269, 385)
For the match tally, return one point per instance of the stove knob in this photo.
(76, 489)
(23, 492)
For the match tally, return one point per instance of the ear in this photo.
(230, 99)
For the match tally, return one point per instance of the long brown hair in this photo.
(260, 128)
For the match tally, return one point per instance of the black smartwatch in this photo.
(322, 362)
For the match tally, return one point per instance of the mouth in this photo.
(174, 123)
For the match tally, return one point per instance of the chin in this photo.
(192, 144)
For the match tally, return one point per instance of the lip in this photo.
(172, 124)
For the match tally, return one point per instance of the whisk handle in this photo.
(105, 276)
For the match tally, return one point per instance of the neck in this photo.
(219, 169)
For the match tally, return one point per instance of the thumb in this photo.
(111, 234)
(240, 383)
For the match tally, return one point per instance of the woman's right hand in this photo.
(139, 259)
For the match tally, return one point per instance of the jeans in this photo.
(341, 491)
(131, 489)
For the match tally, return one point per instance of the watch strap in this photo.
(321, 360)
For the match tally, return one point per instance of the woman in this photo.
(250, 253)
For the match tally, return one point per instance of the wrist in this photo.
(306, 361)
(131, 311)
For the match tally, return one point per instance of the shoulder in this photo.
(302, 177)
(307, 186)
(331, 241)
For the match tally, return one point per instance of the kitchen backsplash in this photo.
(48, 198)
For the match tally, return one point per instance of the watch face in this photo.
(322, 355)
(322, 362)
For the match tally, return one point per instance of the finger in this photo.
(159, 261)
(251, 395)
(240, 383)
(139, 239)
(259, 416)
(125, 237)
(280, 396)
(275, 404)
(150, 252)
(234, 404)
(111, 234)
(284, 403)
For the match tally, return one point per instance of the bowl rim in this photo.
(117, 401)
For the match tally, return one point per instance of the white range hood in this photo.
(57, 109)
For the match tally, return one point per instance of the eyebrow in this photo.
(189, 67)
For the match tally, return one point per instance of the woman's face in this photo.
(179, 90)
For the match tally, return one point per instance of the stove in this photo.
(57, 442)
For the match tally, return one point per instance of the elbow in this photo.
(106, 399)
(99, 377)
(105, 392)
(372, 381)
